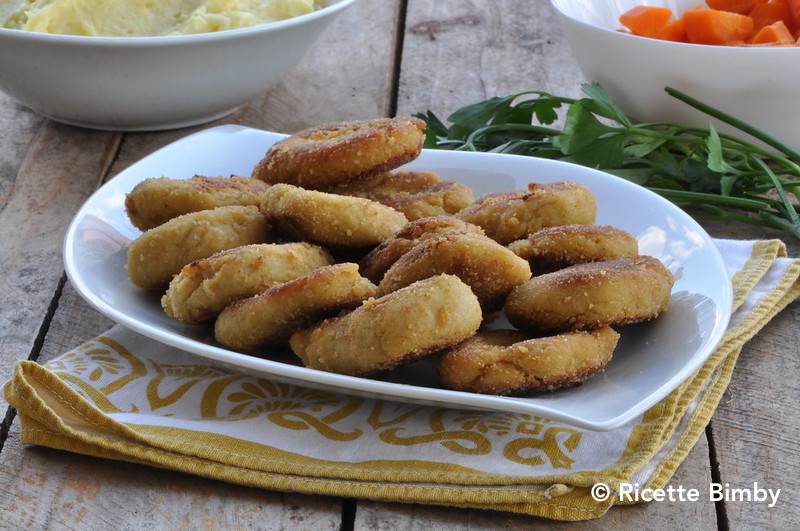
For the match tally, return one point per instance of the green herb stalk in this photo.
(710, 174)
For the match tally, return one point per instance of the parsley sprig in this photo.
(710, 174)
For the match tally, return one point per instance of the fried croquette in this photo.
(396, 329)
(511, 216)
(586, 296)
(487, 267)
(161, 252)
(322, 157)
(376, 262)
(415, 194)
(554, 248)
(268, 319)
(204, 287)
(157, 200)
(329, 219)
(400, 181)
(507, 362)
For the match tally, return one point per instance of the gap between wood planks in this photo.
(723, 524)
(400, 31)
(44, 328)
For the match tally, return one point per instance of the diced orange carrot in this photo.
(721, 22)
(646, 21)
(712, 26)
(775, 33)
(742, 7)
(674, 31)
(794, 8)
(766, 13)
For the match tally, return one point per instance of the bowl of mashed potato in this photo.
(152, 64)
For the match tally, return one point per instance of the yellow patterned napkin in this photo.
(122, 396)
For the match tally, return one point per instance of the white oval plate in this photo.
(651, 359)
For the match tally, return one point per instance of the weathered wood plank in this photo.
(346, 76)
(45, 488)
(756, 431)
(60, 169)
(693, 474)
(50, 489)
(457, 53)
(74, 322)
(19, 125)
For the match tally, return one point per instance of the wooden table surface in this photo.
(382, 58)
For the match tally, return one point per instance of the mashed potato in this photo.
(138, 18)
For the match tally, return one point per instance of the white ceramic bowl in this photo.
(757, 85)
(147, 83)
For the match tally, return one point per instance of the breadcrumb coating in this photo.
(322, 157)
(511, 216)
(586, 296)
(205, 287)
(267, 320)
(393, 330)
(161, 252)
(509, 362)
(158, 200)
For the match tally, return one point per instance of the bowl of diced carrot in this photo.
(739, 56)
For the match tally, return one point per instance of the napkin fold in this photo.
(123, 396)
